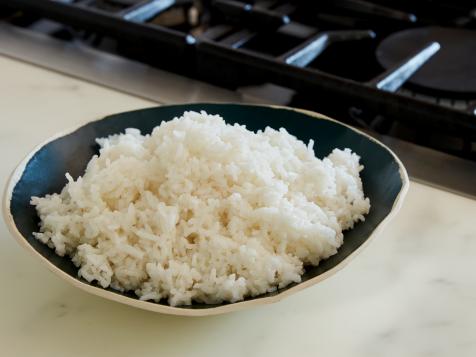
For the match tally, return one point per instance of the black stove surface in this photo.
(446, 74)
(402, 68)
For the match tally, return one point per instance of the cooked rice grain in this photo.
(203, 211)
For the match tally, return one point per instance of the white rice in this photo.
(203, 211)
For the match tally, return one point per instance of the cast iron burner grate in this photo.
(369, 63)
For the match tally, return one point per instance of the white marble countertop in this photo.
(412, 292)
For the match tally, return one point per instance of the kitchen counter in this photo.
(412, 292)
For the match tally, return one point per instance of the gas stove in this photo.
(400, 68)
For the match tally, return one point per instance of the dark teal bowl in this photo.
(384, 179)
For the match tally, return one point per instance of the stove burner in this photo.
(452, 70)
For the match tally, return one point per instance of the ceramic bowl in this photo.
(43, 171)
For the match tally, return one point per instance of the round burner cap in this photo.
(451, 70)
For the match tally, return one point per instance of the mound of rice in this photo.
(203, 211)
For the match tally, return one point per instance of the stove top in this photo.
(401, 68)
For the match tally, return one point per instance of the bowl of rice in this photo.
(202, 209)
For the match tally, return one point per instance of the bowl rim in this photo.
(171, 310)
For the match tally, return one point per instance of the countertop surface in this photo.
(411, 292)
